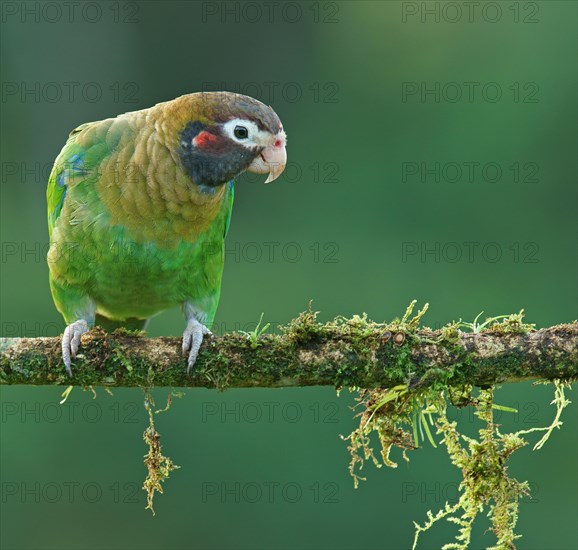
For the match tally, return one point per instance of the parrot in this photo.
(139, 206)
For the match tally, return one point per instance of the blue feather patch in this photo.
(73, 167)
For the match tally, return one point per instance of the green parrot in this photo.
(139, 206)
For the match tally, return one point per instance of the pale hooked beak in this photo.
(272, 159)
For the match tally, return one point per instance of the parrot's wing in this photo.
(230, 206)
(79, 158)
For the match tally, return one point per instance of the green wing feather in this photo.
(68, 170)
(231, 200)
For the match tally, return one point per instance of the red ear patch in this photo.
(205, 139)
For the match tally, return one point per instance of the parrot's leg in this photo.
(193, 335)
(71, 342)
(79, 311)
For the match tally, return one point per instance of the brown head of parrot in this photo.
(227, 134)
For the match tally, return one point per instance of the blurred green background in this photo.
(432, 151)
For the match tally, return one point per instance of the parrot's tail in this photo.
(132, 323)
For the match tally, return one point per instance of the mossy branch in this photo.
(343, 352)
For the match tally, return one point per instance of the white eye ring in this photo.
(253, 136)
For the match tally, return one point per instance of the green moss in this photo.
(398, 416)
(158, 466)
(304, 328)
(402, 415)
(129, 333)
(511, 324)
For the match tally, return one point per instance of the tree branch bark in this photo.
(351, 353)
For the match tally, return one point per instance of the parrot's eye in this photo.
(240, 132)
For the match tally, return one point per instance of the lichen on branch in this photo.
(341, 353)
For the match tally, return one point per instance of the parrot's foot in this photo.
(192, 340)
(71, 342)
